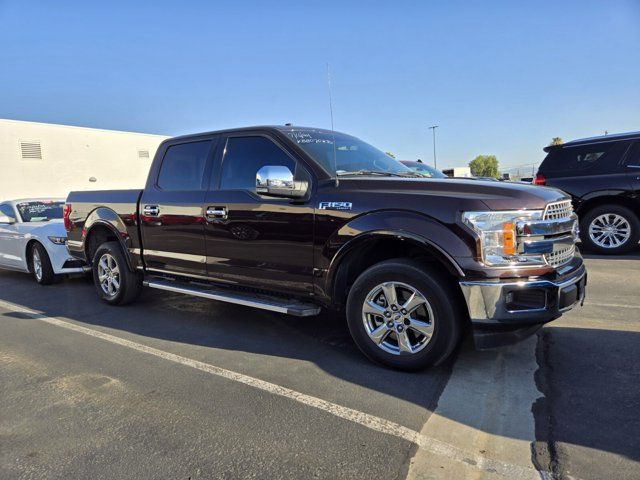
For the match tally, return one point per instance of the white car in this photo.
(33, 239)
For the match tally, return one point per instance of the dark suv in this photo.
(602, 175)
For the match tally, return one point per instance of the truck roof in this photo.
(279, 128)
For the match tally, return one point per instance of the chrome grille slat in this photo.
(558, 210)
(560, 257)
(562, 213)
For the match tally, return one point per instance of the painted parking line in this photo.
(609, 305)
(369, 421)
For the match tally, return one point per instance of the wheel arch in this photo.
(373, 247)
(588, 204)
(27, 251)
(99, 232)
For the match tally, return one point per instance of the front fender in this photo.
(445, 242)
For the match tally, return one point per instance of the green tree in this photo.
(484, 166)
(556, 141)
(390, 154)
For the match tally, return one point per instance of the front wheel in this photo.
(114, 281)
(404, 315)
(610, 229)
(41, 265)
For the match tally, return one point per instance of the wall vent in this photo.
(31, 150)
(143, 154)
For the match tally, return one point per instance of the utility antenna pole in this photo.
(333, 135)
(435, 162)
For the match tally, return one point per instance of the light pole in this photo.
(435, 162)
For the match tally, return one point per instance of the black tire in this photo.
(447, 321)
(40, 265)
(591, 218)
(129, 284)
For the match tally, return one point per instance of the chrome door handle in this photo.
(219, 213)
(151, 210)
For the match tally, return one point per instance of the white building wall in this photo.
(70, 157)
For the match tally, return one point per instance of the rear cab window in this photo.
(183, 166)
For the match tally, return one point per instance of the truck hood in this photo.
(495, 195)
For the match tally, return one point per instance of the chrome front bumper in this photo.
(505, 312)
(511, 305)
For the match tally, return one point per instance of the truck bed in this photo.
(118, 207)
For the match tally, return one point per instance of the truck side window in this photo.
(183, 166)
(244, 156)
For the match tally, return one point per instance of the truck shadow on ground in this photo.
(588, 396)
(323, 340)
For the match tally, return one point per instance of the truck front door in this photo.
(252, 239)
(171, 209)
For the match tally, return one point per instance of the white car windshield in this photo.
(40, 211)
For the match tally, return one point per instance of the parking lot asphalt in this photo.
(179, 387)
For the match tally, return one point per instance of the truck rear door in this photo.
(171, 208)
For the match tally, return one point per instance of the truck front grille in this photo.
(560, 257)
(558, 210)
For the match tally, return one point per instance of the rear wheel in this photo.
(610, 229)
(114, 281)
(404, 315)
(41, 265)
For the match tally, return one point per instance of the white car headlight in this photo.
(497, 233)
(58, 240)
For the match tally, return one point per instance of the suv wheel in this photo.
(115, 282)
(403, 315)
(610, 229)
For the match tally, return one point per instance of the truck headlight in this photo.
(58, 240)
(497, 233)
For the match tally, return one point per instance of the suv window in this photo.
(585, 159)
(183, 166)
(634, 155)
(244, 156)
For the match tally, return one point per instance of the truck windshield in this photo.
(352, 156)
(40, 211)
(424, 170)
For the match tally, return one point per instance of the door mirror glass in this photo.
(7, 219)
(277, 181)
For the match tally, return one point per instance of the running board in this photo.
(264, 302)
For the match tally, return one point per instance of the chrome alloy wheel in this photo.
(609, 230)
(398, 318)
(37, 264)
(108, 275)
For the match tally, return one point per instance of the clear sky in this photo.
(498, 78)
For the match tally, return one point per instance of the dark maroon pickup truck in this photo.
(293, 220)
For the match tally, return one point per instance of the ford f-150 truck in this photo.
(293, 220)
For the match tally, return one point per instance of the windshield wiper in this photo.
(378, 172)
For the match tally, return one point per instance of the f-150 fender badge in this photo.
(335, 206)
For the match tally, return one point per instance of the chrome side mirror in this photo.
(7, 219)
(277, 181)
